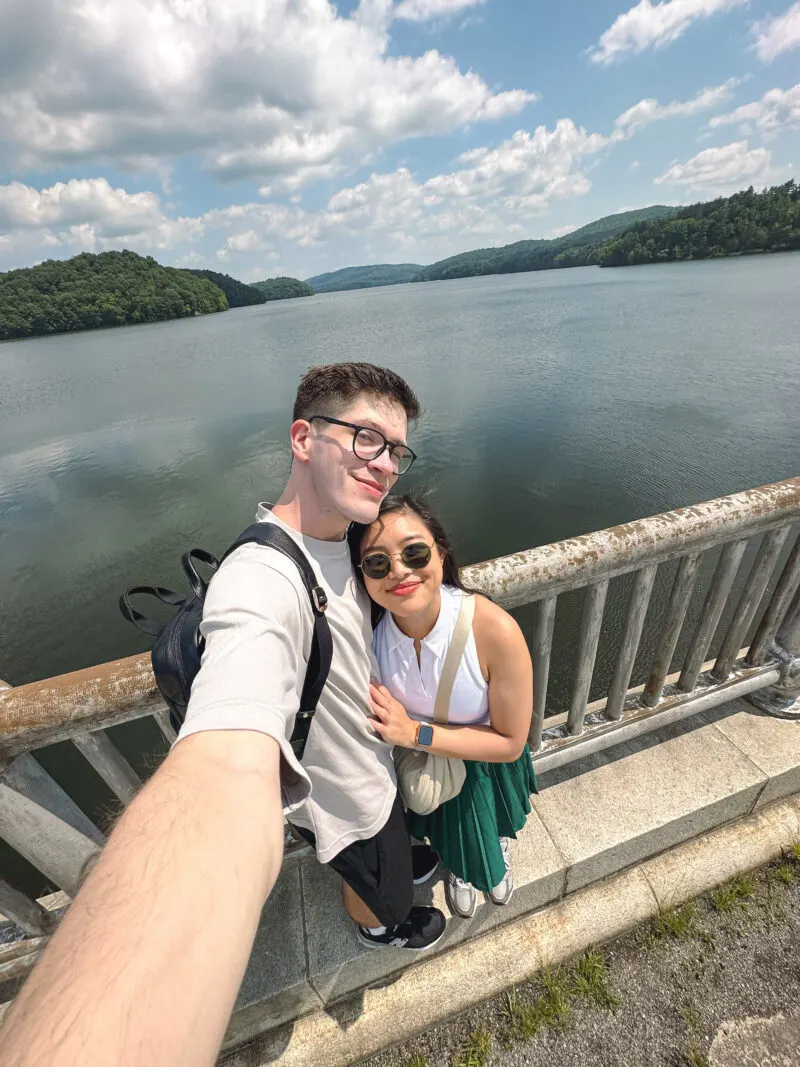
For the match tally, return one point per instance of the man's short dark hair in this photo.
(330, 389)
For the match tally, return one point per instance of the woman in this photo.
(409, 571)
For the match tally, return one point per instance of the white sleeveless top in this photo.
(415, 684)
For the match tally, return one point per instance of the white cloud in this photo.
(649, 25)
(778, 34)
(720, 171)
(777, 109)
(284, 91)
(92, 201)
(488, 197)
(423, 10)
(649, 110)
(249, 241)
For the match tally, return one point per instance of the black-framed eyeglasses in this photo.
(369, 443)
(378, 564)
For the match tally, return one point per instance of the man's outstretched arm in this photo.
(144, 969)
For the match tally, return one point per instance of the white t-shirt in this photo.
(258, 624)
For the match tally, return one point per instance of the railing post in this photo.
(44, 825)
(542, 647)
(783, 699)
(27, 914)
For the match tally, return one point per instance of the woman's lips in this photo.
(405, 588)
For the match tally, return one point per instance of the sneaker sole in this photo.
(427, 877)
(404, 948)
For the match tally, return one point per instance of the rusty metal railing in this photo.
(45, 825)
(591, 562)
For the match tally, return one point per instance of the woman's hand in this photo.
(391, 720)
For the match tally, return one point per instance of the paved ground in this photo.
(713, 984)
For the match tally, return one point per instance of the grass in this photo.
(678, 923)
(690, 1015)
(557, 989)
(475, 1051)
(794, 851)
(734, 894)
(590, 981)
(417, 1060)
(695, 1058)
(524, 1017)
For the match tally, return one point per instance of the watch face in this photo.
(425, 735)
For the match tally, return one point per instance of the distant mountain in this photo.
(365, 277)
(283, 288)
(571, 250)
(238, 294)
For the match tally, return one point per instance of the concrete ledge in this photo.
(591, 820)
(433, 991)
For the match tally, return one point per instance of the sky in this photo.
(267, 137)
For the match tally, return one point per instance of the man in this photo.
(348, 439)
(146, 965)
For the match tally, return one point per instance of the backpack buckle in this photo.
(319, 598)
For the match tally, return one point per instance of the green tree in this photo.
(92, 291)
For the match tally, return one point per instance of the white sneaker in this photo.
(462, 898)
(502, 893)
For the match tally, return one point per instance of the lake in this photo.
(556, 403)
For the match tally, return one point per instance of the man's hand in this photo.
(391, 719)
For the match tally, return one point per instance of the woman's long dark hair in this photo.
(418, 506)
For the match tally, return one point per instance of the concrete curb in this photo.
(386, 1014)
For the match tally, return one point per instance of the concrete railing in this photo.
(45, 825)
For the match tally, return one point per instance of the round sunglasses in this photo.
(377, 565)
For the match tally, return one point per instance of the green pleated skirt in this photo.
(494, 802)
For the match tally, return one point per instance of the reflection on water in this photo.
(556, 403)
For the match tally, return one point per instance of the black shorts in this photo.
(379, 869)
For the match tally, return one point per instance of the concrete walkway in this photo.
(313, 994)
(715, 984)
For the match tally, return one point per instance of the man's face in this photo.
(352, 487)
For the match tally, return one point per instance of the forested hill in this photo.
(365, 277)
(238, 294)
(571, 250)
(744, 223)
(283, 288)
(90, 291)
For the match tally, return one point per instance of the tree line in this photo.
(91, 291)
(745, 223)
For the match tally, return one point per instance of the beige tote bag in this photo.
(427, 781)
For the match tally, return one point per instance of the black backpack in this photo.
(179, 644)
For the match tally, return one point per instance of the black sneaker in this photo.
(423, 929)
(425, 863)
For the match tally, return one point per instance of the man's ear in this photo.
(300, 439)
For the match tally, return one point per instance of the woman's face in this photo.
(405, 590)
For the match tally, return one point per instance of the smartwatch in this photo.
(424, 734)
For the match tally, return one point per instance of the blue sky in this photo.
(260, 137)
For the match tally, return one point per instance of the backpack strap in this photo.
(319, 661)
(140, 621)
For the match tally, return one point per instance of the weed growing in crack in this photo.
(590, 980)
(734, 894)
(679, 923)
(695, 1058)
(475, 1051)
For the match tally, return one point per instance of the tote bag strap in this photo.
(452, 660)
